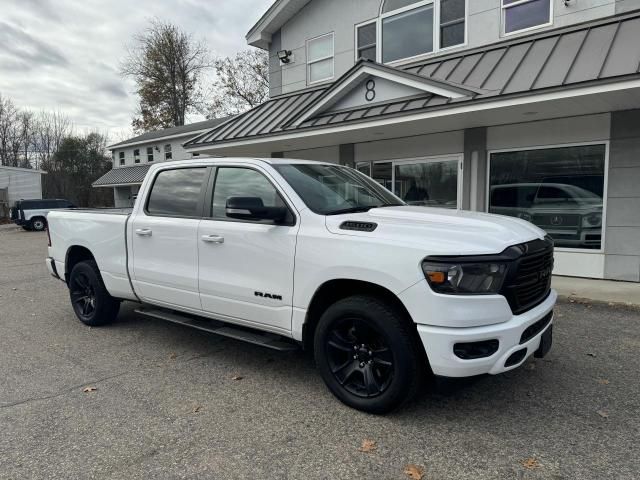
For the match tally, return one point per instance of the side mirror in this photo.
(252, 208)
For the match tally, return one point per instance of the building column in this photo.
(347, 155)
(474, 170)
(622, 229)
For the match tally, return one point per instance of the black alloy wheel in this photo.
(359, 358)
(83, 296)
(91, 302)
(368, 353)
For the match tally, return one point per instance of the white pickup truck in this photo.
(288, 253)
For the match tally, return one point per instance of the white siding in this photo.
(178, 153)
(21, 183)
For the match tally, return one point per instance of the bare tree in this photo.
(51, 128)
(242, 83)
(166, 64)
(8, 128)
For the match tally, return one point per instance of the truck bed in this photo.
(101, 231)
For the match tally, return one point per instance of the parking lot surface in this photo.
(163, 401)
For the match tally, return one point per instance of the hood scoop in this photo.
(358, 226)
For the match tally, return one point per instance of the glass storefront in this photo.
(559, 189)
(425, 182)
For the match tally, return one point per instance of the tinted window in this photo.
(407, 34)
(176, 193)
(242, 182)
(558, 189)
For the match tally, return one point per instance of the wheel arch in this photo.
(76, 254)
(334, 290)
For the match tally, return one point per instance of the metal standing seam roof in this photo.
(123, 176)
(594, 51)
(173, 131)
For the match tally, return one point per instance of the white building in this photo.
(528, 108)
(18, 184)
(133, 157)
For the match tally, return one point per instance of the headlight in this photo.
(592, 220)
(465, 278)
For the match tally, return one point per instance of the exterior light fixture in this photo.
(284, 56)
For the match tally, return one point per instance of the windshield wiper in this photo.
(351, 210)
(363, 209)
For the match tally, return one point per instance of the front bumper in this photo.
(439, 343)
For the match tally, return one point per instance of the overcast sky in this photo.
(64, 54)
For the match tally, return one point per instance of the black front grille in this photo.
(528, 281)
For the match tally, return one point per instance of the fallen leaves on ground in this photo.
(590, 354)
(414, 472)
(603, 413)
(603, 381)
(89, 389)
(531, 463)
(172, 356)
(237, 377)
(368, 446)
(196, 409)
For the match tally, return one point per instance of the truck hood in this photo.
(439, 231)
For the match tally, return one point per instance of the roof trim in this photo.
(481, 104)
(157, 139)
(24, 170)
(364, 68)
(277, 15)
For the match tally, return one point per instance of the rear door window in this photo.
(177, 193)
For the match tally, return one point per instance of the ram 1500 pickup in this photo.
(288, 253)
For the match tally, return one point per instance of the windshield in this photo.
(333, 189)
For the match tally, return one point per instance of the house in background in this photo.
(529, 108)
(17, 184)
(133, 157)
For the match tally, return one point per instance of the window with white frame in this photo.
(121, 157)
(519, 15)
(366, 41)
(409, 28)
(320, 58)
(167, 152)
(149, 154)
(136, 155)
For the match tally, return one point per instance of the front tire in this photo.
(368, 355)
(90, 299)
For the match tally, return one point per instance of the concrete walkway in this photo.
(598, 290)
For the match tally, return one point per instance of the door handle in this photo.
(212, 238)
(144, 232)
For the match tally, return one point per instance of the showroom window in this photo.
(521, 15)
(410, 29)
(425, 182)
(559, 189)
(320, 58)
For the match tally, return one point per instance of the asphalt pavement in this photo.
(146, 399)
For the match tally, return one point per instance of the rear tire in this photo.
(368, 354)
(90, 299)
(38, 224)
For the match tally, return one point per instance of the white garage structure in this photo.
(18, 183)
